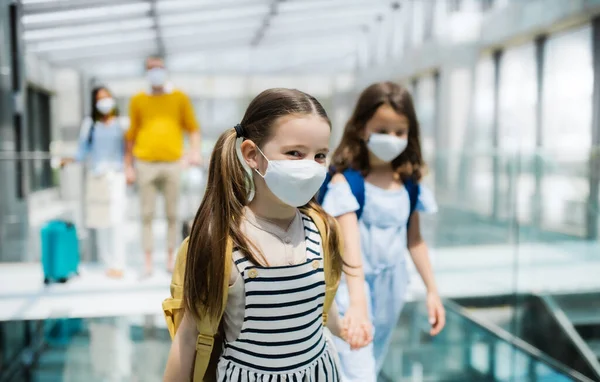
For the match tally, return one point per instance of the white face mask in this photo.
(157, 76)
(386, 147)
(294, 182)
(105, 105)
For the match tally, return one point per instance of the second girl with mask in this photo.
(376, 197)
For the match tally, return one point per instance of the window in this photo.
(38, 138)
(518, 93)
(425, 104)
(567, 128)
(454, 6)
(487, 5)
(429, 16)
(516, 132)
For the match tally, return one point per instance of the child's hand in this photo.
(357, 330)
(437, 313)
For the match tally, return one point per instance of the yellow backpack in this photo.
(209, 342)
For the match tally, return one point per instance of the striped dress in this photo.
(282, 337)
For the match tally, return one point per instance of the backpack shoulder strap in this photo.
(413, 194)
(90, 137)
(207, 354)
(357, 185)
(331, 280)
(325, 185)
(173, 306)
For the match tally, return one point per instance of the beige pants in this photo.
(164, 177)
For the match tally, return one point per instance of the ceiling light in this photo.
(115, 39)
(89, 13)
(90, 29)
(213, 16)
(207, 29)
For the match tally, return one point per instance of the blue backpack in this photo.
(357, 185)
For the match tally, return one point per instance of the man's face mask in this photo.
(157, 76)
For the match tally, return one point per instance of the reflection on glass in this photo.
(568, 87)
(478, 171)
(426, 112)
(567, 127)
(517, 128)
(517, 99)
(464, 351)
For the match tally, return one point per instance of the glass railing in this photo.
(135, 348)
(36, 189)
(132, 348)
(514, 227)
(467, 350)
(514, 222)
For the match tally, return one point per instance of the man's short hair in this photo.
(153, 57)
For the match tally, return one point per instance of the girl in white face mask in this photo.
(283, 270)
(374, 193)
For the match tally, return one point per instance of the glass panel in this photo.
(464, 351)
(418, 22)
(92, 29)
(130, 348)
(518, 93)
(482, 135)
(334, 5)
(108, 55)
(517, 124)
(112, 348)
(96, 12)
(426, 111)
(192, 47)
(567, 130)
(284, 26)
(87, 42)
(188, 5)
(363, 15)
(314, 35)
(477, 179)
(215, 15)
(220, 114)
(204, 32)
(568, 86)
(38, 136)
(133, 67)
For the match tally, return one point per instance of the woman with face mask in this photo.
(375, 194)
(102, 149)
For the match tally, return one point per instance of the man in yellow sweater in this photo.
(159, 119)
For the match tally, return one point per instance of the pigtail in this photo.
(217, 219)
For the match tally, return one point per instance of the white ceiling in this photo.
(111, 38)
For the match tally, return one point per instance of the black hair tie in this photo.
(239, 130)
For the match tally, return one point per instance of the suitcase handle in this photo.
(68, 224)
